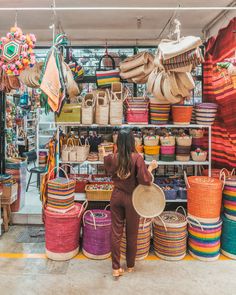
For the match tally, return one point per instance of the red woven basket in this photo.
(182, 114)
(204, 198)
(62, 233)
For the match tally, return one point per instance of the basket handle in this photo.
(94, 221)
(233, 172)
(144, 222)
(184, 211)
(71, 167)
(162, 221)
(70, 140)
(109, 205)
(223, 175)
(198, 222)
(59, 168)
(83, 207)
(186, 179)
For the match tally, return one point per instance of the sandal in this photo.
(117, 272)
(130, 269)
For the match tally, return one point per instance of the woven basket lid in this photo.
(73, 212)
(101, 217)
(171, 219)
(204, 180)
(148, 201)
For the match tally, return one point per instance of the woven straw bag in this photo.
(82, 151)
(199, 156)
(73, 152)
(88, 104)
(152, 140)
(102, 108)
(167, 140)
(184, 140)
(65, 153)
(116, 109)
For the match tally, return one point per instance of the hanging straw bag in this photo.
(88, 104)
(102, 108)
(106, 77)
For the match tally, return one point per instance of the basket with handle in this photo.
(170, 235)
(88, 104)
(102, 108)
(60, 192)
(96, 234)
(62, 232)
(116, 109)
(204, 239)
(200, 156)
(82, 151)
(143, 239)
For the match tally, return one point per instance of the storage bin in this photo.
(99, 192)
(70, 113)
(97, 234)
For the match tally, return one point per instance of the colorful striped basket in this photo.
(62, 232)
(159, 113)
(204, 196)
(97, 234)
(229, 197)
(204, 240)
(60, 193)
(228, 238)
(205, 113)
(143, 240)
(170, 236)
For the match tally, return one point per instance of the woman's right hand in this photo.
(152, 166)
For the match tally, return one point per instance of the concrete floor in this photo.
(36, 275)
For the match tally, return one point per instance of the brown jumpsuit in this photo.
(122, 208)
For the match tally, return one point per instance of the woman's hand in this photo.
(152, 166)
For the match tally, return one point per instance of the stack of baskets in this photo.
(159, 113)
(170, 236)
(205, 113)
(97, 234)
(167, 148)
(143, 239)
(204, 206)
(182, 114)
(137, 110)
(183, 148)
(151, 147)
(193, 119)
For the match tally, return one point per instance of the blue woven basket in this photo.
(170, 194)
(228, 238)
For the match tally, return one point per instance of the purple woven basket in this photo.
(97, 234)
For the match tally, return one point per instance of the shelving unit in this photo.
(82, 197)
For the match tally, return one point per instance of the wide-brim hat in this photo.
(148, 201)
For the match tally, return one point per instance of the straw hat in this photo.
(148, 201)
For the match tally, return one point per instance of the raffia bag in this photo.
(88, 104)
(102, 108)
(67, 153)
(82, 151)
(116, 109)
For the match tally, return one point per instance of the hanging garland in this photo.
(16, 51)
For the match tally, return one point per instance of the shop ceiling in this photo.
(114, 26)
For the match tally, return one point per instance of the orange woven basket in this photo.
(182, 114)
(204, 196)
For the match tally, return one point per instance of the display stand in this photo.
(82, 196)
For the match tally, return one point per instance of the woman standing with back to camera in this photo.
(128, 170)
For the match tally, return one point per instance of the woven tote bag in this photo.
(105, 77)
(88, 105)
(82, 151)
(116, 109)
(102, 108)
(60, 192)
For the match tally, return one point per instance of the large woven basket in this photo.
(204, 198)
(97, 234)
(116, 110)
(184, 140)
(229, 197)
(170, 236)
(143, 240)
(62, 233)
(102, 108)
(204, 240)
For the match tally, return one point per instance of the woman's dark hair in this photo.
(125, 148)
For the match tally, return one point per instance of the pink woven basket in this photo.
(167, 150)
(62, 232)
